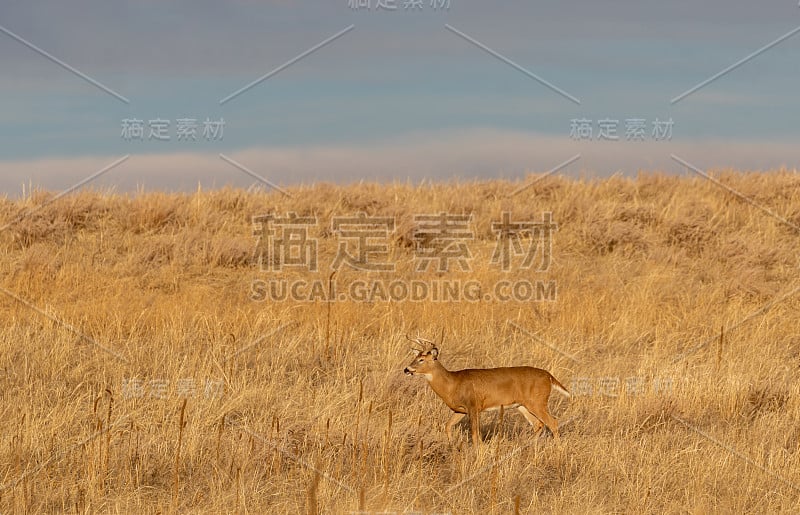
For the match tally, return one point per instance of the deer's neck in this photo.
(442, 382)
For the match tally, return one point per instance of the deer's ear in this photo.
(435, 352)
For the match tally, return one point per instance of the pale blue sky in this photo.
(398, 87)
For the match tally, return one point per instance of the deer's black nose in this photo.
(407, 371)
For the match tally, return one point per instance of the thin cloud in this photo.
(465, 154)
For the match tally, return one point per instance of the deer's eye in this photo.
(420, 361)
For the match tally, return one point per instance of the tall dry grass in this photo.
(102, 290)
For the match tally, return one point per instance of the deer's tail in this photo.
(559, 387)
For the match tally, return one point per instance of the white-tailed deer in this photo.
(471, 391)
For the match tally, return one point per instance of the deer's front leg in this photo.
(454, 419)
(475, 425)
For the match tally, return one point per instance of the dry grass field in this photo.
(140, 372)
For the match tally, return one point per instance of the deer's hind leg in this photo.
(539, 410)
(535, 422)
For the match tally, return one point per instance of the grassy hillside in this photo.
(675, 325)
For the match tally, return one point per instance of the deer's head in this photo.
(424, 363)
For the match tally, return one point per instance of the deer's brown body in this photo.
(471, 391)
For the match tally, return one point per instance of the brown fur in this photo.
(471, 391)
